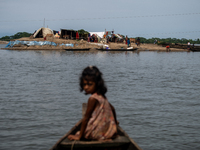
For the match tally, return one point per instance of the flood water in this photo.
(156, 96)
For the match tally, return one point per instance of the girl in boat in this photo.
(99, 122)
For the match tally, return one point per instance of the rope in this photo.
(73, 145)
(125, 17)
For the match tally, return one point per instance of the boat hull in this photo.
(84, 49)
(184, 46)
(122, 50)
(121, 142)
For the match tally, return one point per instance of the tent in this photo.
(118, 36)
(100, 34)
(42, 32)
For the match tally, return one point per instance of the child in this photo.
(99, 122)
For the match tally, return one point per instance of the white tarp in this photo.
(100, 34)
(45, 31)
(118, 36)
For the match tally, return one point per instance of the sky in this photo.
(134, 18)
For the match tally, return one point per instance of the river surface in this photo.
(156, 96)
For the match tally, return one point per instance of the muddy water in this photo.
(156, 96)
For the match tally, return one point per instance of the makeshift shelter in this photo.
(116, 38)
(99, 34)
(42, 33)
(68, 34)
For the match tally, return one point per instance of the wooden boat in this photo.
(83, 49)
(121, 142)
(123, 50)
(184, 46)
(195, 48)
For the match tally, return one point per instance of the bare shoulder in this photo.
(92, 100)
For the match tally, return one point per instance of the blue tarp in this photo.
(31, 43)
(72, 45)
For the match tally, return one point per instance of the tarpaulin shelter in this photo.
(42, 32)
(100, 34)
(68, 34)
(118, 36)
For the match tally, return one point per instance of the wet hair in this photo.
(92, 73)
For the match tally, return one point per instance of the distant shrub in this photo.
(16, 36)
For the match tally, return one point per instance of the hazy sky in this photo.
(144, 18)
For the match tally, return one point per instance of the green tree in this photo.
(82, 31)
(21, 34)
(16, 36)
(5, 38)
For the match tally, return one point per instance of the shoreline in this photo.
(4, 42)
(81, 44)
(155, 47)
(142, 47)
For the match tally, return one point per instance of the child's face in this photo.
(89, 86)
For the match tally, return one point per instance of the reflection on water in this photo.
(156, 96)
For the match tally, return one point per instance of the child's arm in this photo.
(114, 113)
(92, 102)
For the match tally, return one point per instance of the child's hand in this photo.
(73, 137)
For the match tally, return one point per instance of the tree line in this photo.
(169, 40)
(142, 39)
(16, 36)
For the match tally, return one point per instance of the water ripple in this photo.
(156, 96)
